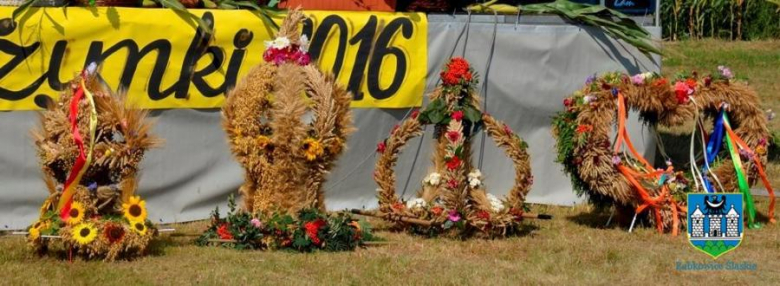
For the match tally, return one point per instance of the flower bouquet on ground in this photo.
(453, 198)
(89, 147)
(285, 158)
(310, 229)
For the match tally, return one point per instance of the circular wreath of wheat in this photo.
(263, 118)
(473, 202)
(657, 103)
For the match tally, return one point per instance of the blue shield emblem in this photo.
(715, 222)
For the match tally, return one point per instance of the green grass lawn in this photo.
(573, 248)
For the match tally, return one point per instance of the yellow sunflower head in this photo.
(84, 233)
(135, 209)
(34, 233)
(139, 227)
(312, 148)
(75, 214)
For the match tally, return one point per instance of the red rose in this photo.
(381, 147)
(437, 210)
(224, 232)
(568, 102)
(453, 163)
(453, 136)
(483, 215)
(457, 115)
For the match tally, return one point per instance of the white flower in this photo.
(304, 41)
(496, 204)
(474, 182)
(588, 98)
(648, 75)
(416, 203)
(476, 174)
(432, 179)
(278, 43)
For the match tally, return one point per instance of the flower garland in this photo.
(453, 200)
(308, 231)
(583, 140)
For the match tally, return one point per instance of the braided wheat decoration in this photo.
(286, 159)
(452, 196)
(102, 216)
(584, 141)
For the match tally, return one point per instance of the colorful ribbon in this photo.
(655, 204)
(713, 148)
(82, 161)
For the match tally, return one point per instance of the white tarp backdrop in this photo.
(533, 67)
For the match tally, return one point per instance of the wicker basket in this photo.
(110, 3)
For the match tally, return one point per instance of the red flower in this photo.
(452, 184)
(398, 206)
(483, 215)
(455, 71)
(224, 232)
(437, 210)
(707, 81)
(660, 82)
(682, 91)
(113, 232)
(584, 128)
(568, 102)
(453, 163)
(381, 147)
(691, 83)
(415, 113)
(312, 228)
(457, 115)
(453, 136)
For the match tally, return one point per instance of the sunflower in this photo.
(113, 232)
(34, 233)
(84, 233)
(75, 214)
(139, 227)
(312, 148)
(135, 209)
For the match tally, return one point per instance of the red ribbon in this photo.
(81, 159)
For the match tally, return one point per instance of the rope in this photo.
(485, 86)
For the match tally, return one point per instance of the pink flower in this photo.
(457, 115)
(507, 130)
(725, 72)
(638, 79)
(452, 184)
(454, 216)
(682, 91)
(257, 223)
(616, 160)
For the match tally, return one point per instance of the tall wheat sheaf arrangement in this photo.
(453, 196)
(286, 159)
(585, 142)
(105, 218)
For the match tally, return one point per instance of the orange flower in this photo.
(584, 128)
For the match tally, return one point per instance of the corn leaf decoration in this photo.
(613, 23)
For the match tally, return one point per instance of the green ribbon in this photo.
(741, 179)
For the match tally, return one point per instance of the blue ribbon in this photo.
(713, 147)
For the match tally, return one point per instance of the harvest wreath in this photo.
(453, 198)
(286, 159)
(626, 179)
(89, 148)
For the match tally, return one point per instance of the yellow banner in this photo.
(164, 60)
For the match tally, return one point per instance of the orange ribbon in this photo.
(653, 203)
